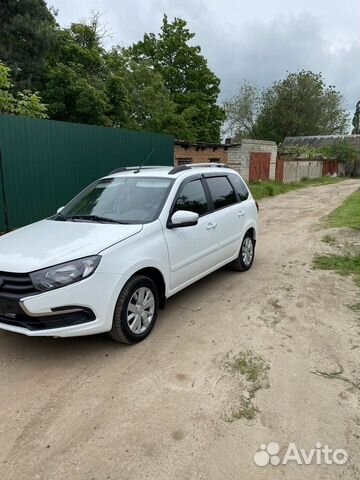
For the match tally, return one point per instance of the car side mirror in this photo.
(59, 210)
(183, 218)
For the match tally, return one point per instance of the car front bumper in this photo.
(83, 308)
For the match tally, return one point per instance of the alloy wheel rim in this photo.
(247, 251)
(140, 311)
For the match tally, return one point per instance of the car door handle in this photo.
(211, 226)
(241, 213)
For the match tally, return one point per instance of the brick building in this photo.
(253, 159)
(187, 152)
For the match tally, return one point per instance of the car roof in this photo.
(170, 172)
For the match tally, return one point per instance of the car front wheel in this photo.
(246, 254)
(136, 310)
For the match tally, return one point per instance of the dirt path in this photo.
(90, 409)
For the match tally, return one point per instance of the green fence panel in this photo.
(45, 163)
(2, 200)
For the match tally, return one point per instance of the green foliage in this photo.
(303, 151)
(342, 151)
(193, 87)
(26, 36)
(356, 120)
(26, 103)
(29, 104)
(301, 104)
(242, 111)
(161, 84)
(149, 104)
(144, 101)
(270, 188)
(75, 82)
(87, 84)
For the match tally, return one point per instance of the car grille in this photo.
(18, 284)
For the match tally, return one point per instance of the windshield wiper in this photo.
(94, 218)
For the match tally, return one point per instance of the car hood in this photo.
(50, 242)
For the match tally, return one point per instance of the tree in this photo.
(301, 104)
(25, 104)
(76, 76)
(356, 120)
(87, 84)
(26, 35)
(192, 86)
(242, 111)
(146, 103)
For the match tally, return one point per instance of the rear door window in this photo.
(240, 187)
(222, 192)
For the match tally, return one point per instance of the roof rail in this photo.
(189, 166)
(178, 169)
(209, 164)
(130, 169)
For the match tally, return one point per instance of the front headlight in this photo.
(64, 274)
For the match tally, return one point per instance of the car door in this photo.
(229, 215)
(192, 250)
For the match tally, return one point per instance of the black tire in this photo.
(240, 264)
(121, 331)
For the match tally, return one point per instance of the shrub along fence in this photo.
(44, 163)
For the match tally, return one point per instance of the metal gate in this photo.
(329, 167)
(279, 171)
(259, 166)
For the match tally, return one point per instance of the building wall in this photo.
(239, 156)
(200, 154)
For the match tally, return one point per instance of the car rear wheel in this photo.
(136, 310)
(246, 254)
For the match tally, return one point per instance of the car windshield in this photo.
(119, 200)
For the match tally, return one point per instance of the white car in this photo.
(109, 260)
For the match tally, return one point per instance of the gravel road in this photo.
(90, 409)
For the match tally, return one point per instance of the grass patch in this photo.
(246, 410)
(249, 364)
(329, 239)
(343, 264)
(347, 215)
(355, 308)
(270, 188)
(254, 370)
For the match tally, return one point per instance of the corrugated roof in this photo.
(318, 141)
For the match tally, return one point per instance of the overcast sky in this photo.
(257, 40)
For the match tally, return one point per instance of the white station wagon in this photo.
(108, 260)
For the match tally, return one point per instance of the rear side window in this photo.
(192, 198)
(222, 192)
(240, 187)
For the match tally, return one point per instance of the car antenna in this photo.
(144, 161)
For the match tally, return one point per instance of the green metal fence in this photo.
(44, 163)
